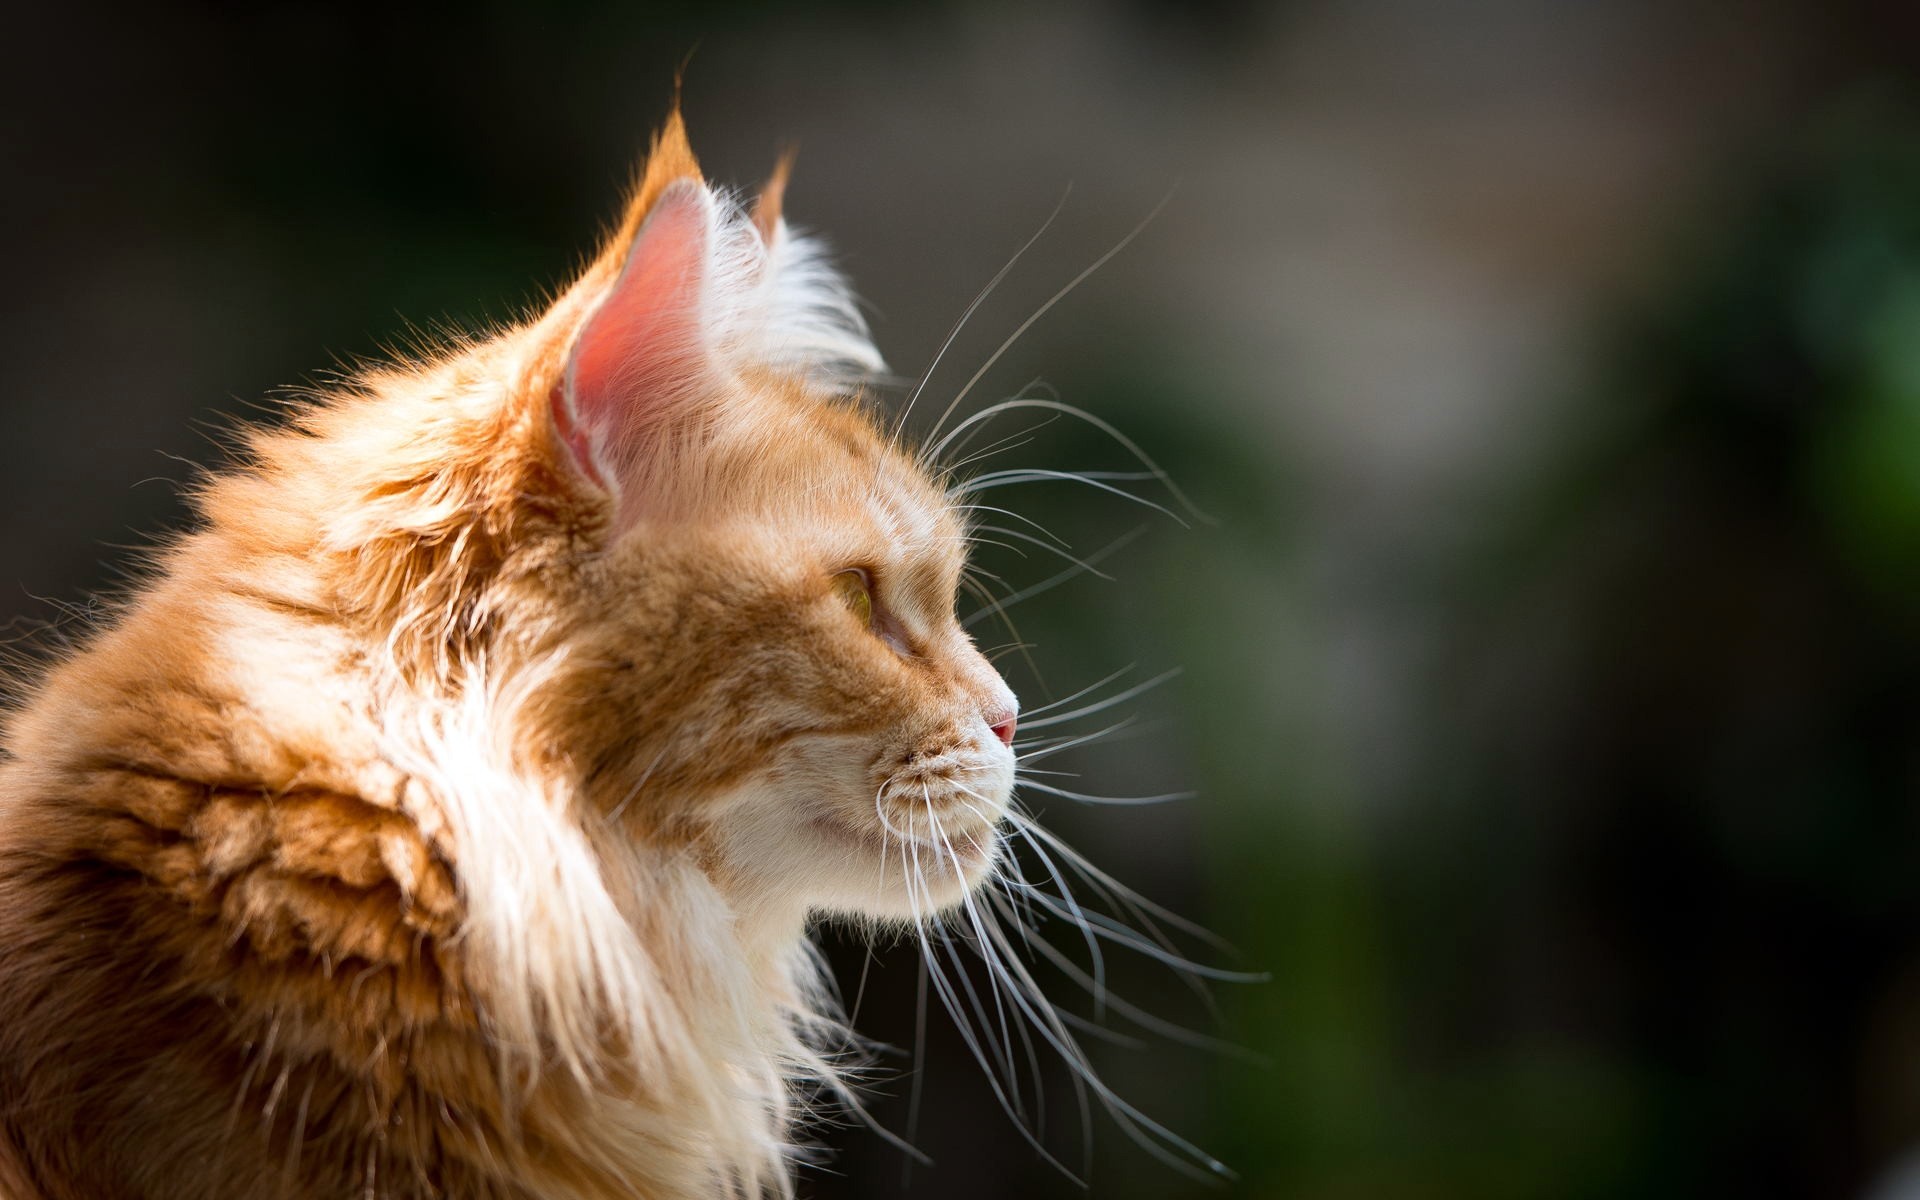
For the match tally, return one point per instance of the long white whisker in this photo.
(972, 584)
(1118, 801)
(1042, 475)
(1074, 915)
(1044, 545)
(1011, 441)
(1006, 1038)
(1132, 1012)
(1053, 581)
(1124, 899)
(1109, 702)
(967, 314)
(1136, 1123)
(1154, 470)
(1001, 979)
(950, 1001)
(1042, 311)
(1107, 929)
(1028, 713)
(975, 539)
(1119, 893)
(1069, 743)
(1007, 512)
(1054, 1031)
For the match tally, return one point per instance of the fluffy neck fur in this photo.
(594, 989)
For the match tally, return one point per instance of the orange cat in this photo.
(444, 817)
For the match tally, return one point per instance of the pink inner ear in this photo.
(642, 349)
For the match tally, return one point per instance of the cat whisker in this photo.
(1010, 442)
(1027, 324)
(1029, 748)
(910, 877)
(1116, 896)
(880, 814)
(1048, 1022)
(1034, 711)
(1109, 702)
(1132, 727)
(967, 314)
(1001, 981)
(1120, 898)
(1008, 512)
(1151, 1136)
(998, 479)
(1005, 863)
(1056, 745)
(1119, 894)
(919, 1051)
(1026, 771)
(1134, 1123)
(980, 590)
(1153, 471)
(949, 999)
(975, 540)
(1048, 546)
(976, 573)
(1093, 1029)
(1076, 917)
(1004, 902)
(994, 655)
(947, 471)
(1084, 798)
(1052, 581)
(1003, 1048)
(1106, 929)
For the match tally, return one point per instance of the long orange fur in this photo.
(428, 827)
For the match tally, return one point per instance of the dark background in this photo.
(1553, 371)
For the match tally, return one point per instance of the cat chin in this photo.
(830, 863)
(890, 875)
(812, 836)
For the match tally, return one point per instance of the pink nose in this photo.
(1004, 730)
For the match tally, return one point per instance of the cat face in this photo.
(773, 663)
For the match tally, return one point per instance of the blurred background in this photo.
(1551, 372)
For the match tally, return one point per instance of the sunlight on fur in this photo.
(446, 814)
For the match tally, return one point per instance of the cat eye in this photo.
(855, 589)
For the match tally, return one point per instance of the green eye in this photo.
(856, 593)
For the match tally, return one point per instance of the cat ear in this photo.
(643, 350)
(694, 293)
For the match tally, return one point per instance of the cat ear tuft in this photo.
(766, 209)
(668, 162)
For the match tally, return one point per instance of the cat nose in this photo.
(1003, 729)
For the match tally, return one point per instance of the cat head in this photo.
(668, 501)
